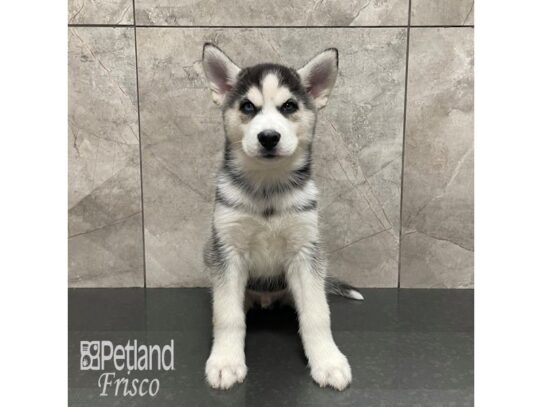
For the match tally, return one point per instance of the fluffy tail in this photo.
(338, 287)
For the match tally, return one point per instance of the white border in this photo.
(508, 174)
(33, 171)
(33, 175)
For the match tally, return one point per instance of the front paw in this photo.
(223, 372)
(332, 370)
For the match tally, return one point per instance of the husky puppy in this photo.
(265, 243)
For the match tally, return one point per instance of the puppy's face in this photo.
(269, 110)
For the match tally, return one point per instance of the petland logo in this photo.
(124, 359)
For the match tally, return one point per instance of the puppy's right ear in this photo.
(220, 71)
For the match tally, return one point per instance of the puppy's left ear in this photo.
(319, 74)
(220, 71)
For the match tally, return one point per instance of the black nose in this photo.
(268, 139)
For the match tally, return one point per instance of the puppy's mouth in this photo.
(269, 155)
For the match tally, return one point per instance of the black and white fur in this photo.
(265, 243)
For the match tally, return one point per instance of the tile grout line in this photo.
(266, 26)
(403, 151)
(140, 150)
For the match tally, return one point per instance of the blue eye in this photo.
(247, 107)
(289, 107)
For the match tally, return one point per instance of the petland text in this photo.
(118, 361)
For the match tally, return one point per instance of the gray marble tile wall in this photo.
(145, 138)
(437, 213)
(278, 12)
(114, 12)
(104, 198)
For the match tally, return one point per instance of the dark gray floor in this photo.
(406, 348)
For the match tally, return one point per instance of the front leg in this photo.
(226, 364)
(306, 277)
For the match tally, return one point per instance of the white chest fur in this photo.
(266, 244)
